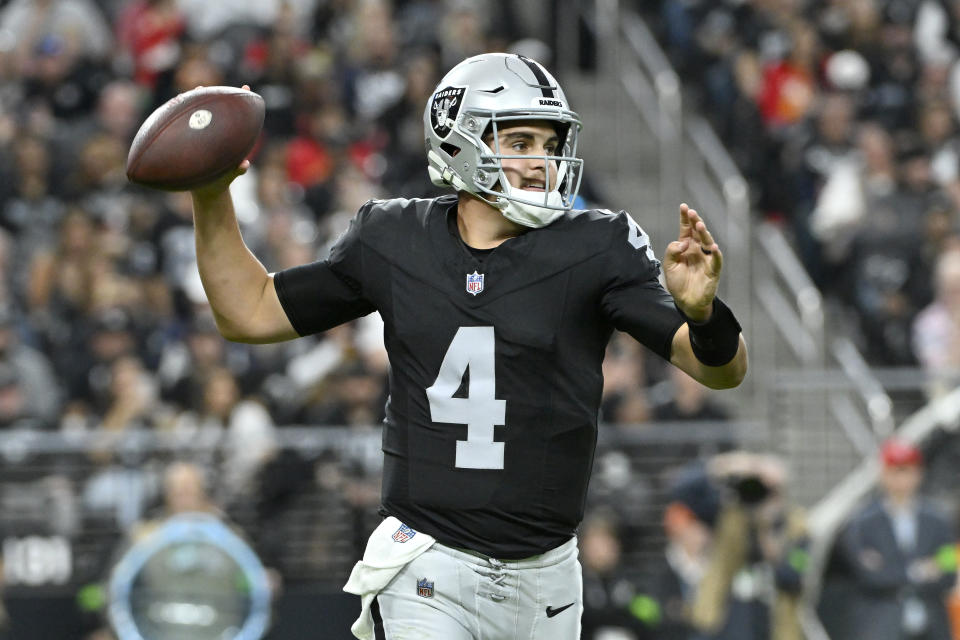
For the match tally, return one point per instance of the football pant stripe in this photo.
(378, 631)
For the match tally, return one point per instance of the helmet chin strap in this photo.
(516, 206)
(532, 215)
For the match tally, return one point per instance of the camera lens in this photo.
(751, 490)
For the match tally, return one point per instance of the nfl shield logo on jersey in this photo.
(474, 283)
(403, 534)
(424, 588)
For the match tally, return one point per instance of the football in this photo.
(195, 138)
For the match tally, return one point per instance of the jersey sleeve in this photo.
(633, 298)
(323, 294)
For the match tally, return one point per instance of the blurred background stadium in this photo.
(819, 139)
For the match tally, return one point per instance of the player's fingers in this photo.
(713, 256)
(685, 225)
(245, 87)
(706, 239)
(701, 232)
(676, 248)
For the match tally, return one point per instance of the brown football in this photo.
(195, 138)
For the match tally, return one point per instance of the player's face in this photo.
(528, 138)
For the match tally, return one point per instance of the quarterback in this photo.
(498, 301)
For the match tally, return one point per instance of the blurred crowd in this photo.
(102, 317)
(843, 115)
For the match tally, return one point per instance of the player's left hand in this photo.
(691, 266)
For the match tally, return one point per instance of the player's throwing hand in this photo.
(692, 265)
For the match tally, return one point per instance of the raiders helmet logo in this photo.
(444, 108)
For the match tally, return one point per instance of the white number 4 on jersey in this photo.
(472, 347)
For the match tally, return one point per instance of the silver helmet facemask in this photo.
(478, 98)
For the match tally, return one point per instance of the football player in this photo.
(498, 301)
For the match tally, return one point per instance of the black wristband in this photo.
(715, 342)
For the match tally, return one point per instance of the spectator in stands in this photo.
(86, 363)
(624, 383)
(901, 554)
(31, 211)
(463, 32)
(148, 33)
(758, 533)
(686, 409)
(811, 158)
(78, 23)
(285, 223)
(13, 403)
(608, 592)
(121, 486)
(853, 184)
(33, 376)
(895, 68)
(99, 178)
(935, 124)
(243, 424)
(355, 397)
(58, 284)
(789, 83)
(402, 124)
(132, 396)
(187, 364)
(883, 256)
(936, 329)
(184, 491)
(935, 31)
(313, 156)
(666, 603)
(345, 382)
(941, 232)
(60, 83)
(198, 67)
(689, 401)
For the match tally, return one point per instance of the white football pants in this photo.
(448, 594)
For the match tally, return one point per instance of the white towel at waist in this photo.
(391, 546)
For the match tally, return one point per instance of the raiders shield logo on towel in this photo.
(445, 107)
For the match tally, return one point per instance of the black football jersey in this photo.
(495, 360)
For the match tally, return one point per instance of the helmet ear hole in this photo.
(450, 149)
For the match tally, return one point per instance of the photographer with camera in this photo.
(751, 587)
